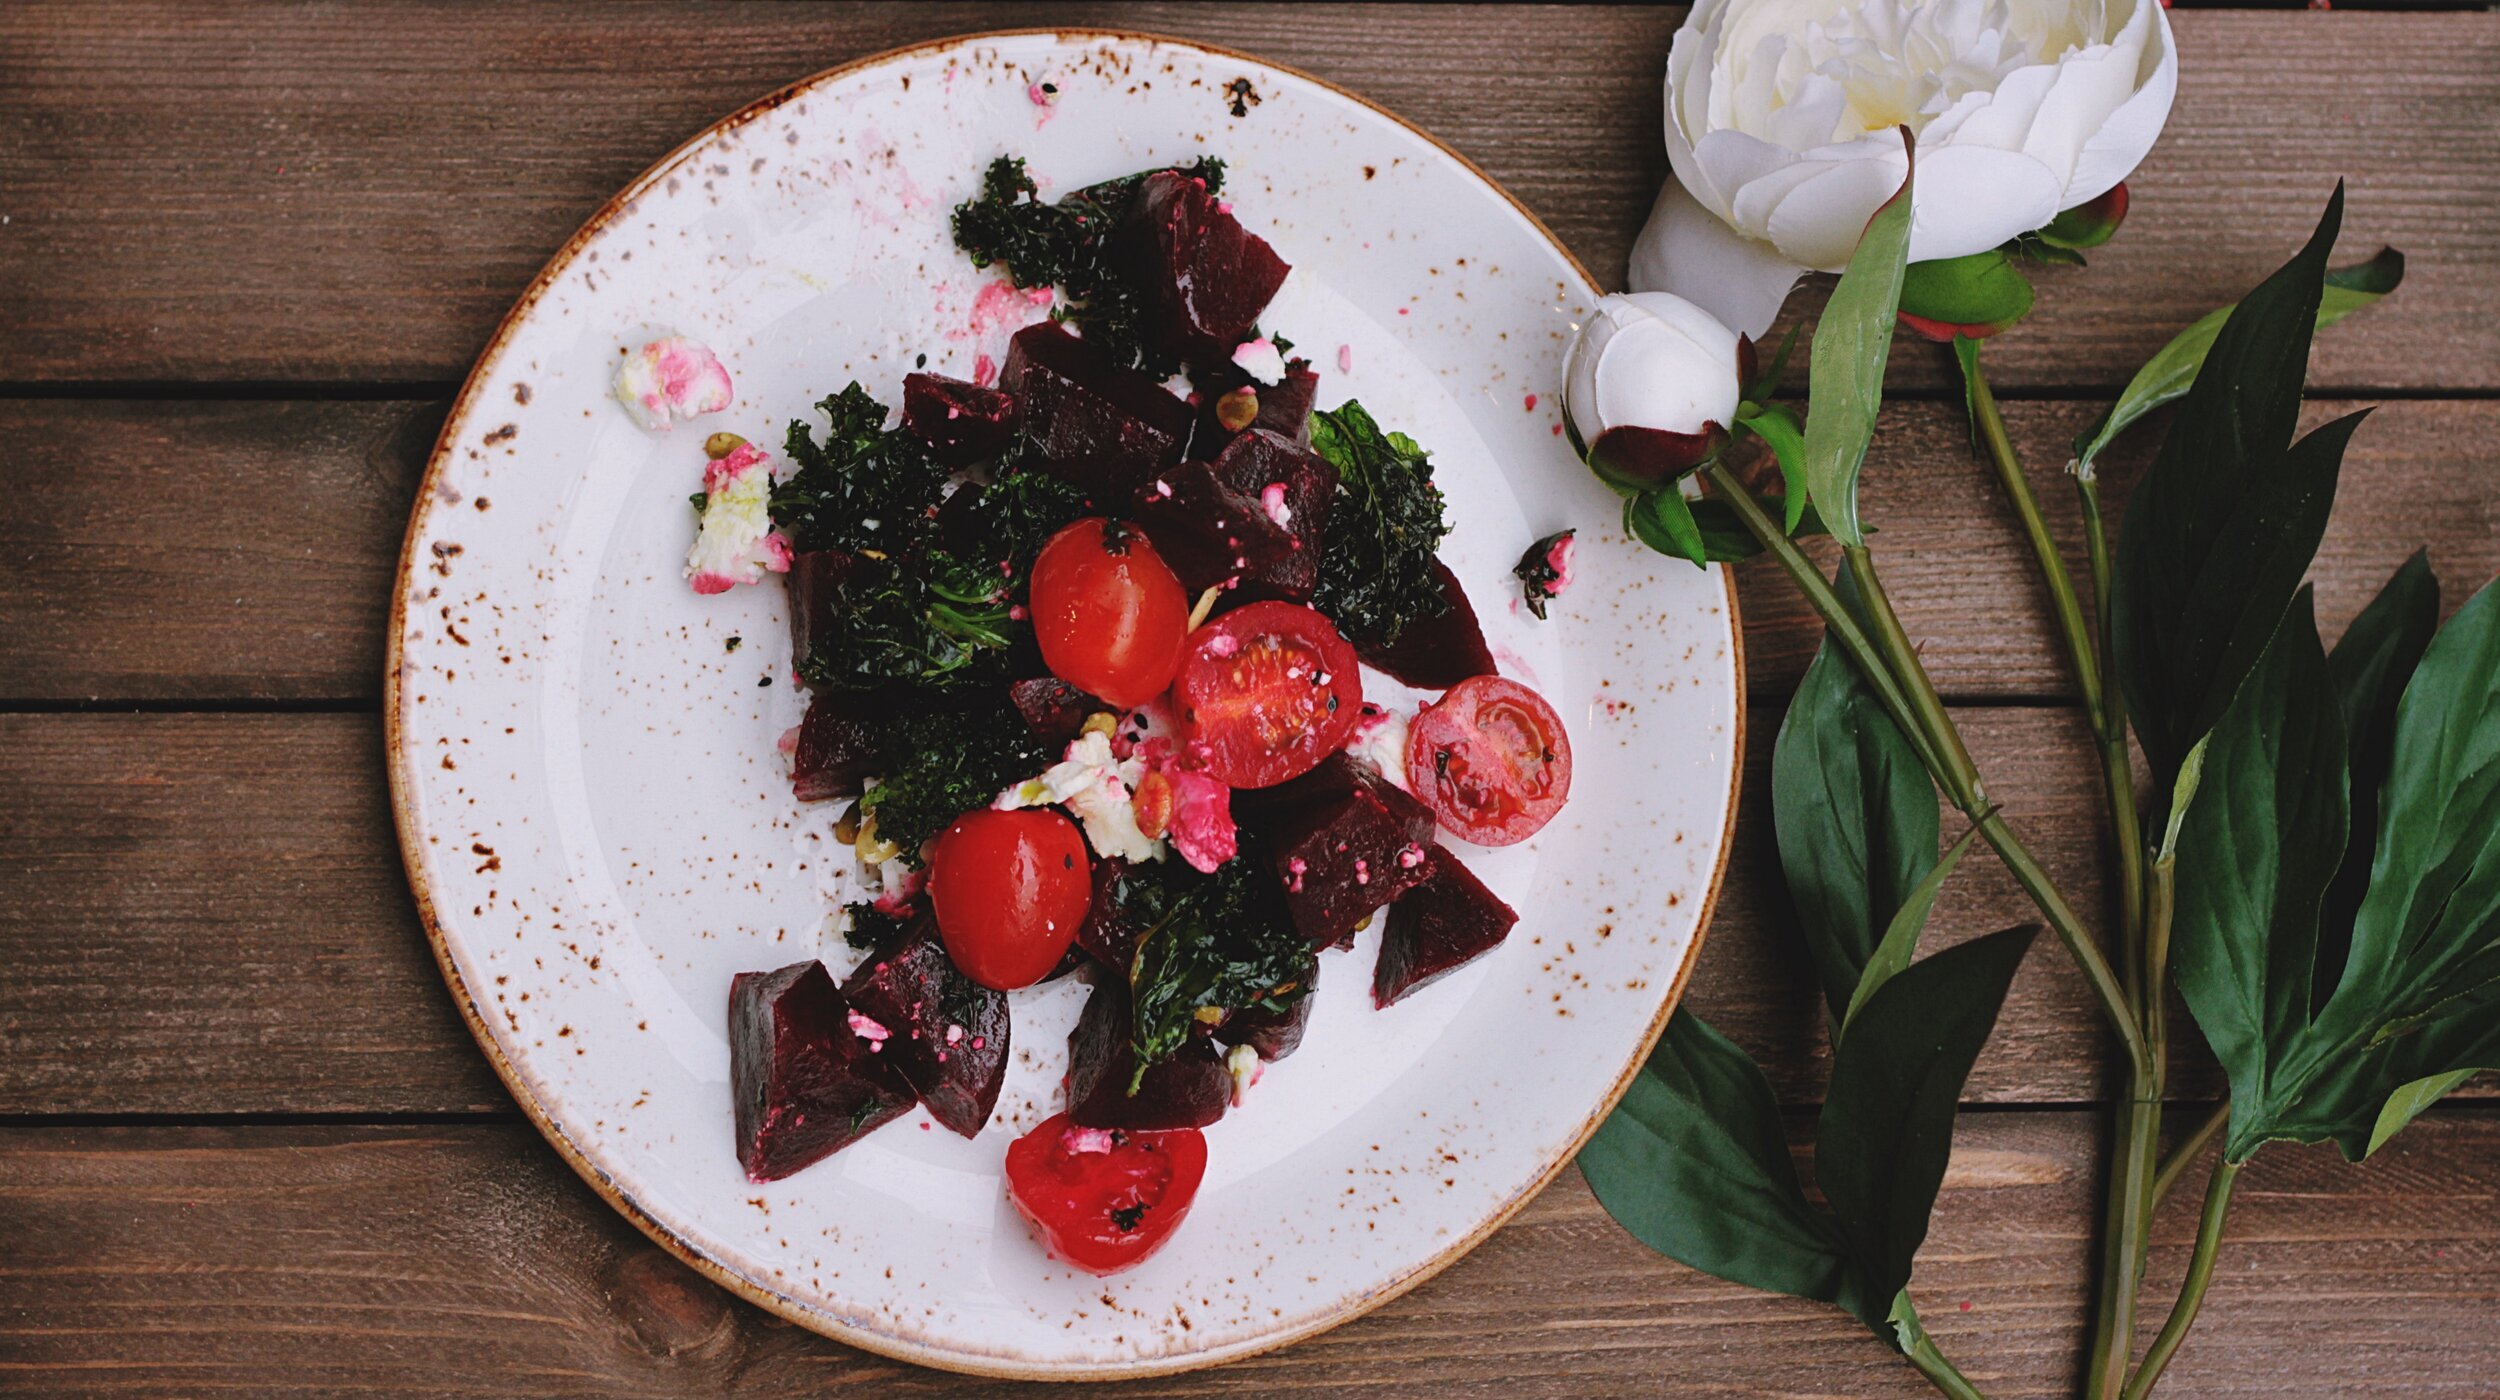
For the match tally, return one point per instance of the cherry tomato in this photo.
(1104, 1198)
(1265, 692)
(1010, 889)
(1491, 760)
(1108, 612)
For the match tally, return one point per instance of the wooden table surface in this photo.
(246, 1146)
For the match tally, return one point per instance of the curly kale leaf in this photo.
(872, 928)
(1069, 245)
(1013, 517)
(1384, 530)
(1213, 944)
(861, 487)
(946, 762)
(930, 619)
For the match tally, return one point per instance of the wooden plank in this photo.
(206, 914)
(179, 551)
(297, 1261)
(335, 194)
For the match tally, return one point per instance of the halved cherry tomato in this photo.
(1010, 889)
(1108, 612)
(1265, 692)
(1491, 760)
(1104, 1198)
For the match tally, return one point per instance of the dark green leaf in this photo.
(1900, 941)
(2371, 666)
(1694, 1162)
(2408, 1103)
(1724, 538)
(1663, 520)
(2222, 528)
(2167, 375)
(1376, 563)
(1779, 432)
(2255, 849)
(1852, 342)
(1983, 291)
(1855, 815)
(1209, 942)
(1887, 1124)
(1766, 385)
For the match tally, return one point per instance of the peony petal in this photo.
(2122, 142)
(1818, 223)
(1724, 164)
(1970, 199)
(1686, 250)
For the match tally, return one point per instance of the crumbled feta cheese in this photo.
(671, 377)
(1380, 740)
(737, 543)
(1098, 787)
(1242, 1062)
(868, 1029)
(1272, 498)
(1202, 819)
(1261, 360)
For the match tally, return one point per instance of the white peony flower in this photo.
(1781, 118)
(1650, 387)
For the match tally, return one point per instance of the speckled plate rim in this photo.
(842, 1330)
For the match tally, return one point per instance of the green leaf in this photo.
(1887, 1124)
(1694, 1161)
(1981, 293)
(1779, 432)
(2166, 376)
(2256, 847)
(2408, 1103)
(2370, 667)
(1766, 385)
(1851, 344)
(1724, 538)
(2219, 533)
(1900, 941)
(1663, 520)
(1855, 814)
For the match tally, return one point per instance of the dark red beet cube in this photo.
(1189, 1090)
(839, 744)
(944, 1031)
(1053, 709)
(816, 580)
(1440, 926)
(805, 1084)
(1284, 408)
(1436, 653)
(1343, 841)
(1109, 935)
(1206, 277)
(1104, 427)
(1274, 1034)
(1208, 532)
(959, 421)
(1257, 461)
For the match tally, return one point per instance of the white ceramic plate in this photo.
(600, 832)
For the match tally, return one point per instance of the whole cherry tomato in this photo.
(1490, 759)
(1108, 612)
(1265, 692)
(1010, 890)
(1104, 1198)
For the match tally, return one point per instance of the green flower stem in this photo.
(1931, 1363)
(2117, 772)
(2192, 1292)
(2069, 607)
(1960, 778)
(2189, 1149)
(2135, 1164)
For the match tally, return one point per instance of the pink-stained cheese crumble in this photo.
(736, 543)
(1558, 558)
(1084, 1140)
(1202, 819)
(1261, 360)
(868, 1029)
(1345, 359)
(671, 378)
(1272, 499)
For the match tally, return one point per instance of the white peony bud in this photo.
(1650, 387)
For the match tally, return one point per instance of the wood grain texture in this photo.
(225, 551)
(349, 193)
(205, 914)
(301, 1261)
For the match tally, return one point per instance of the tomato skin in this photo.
(1010, 890)
(1491, 760)
(1076, 1185)
(1108, 612)
(1265, 692)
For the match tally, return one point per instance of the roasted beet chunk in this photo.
(1206, 277)
(1209, 533)
(959, 421)
(1293, 487)
(1109, 934)
(839, 742)
(816, 580)
(944, 1031)
(1189, 1090)
(1053, 709)
(1103, 428)
(1440, 926)
(1435, 653)
(1274, 1034)
(1283, 408)
(1344, 840)
(805, 1076)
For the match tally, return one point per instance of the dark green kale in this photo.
(872, 928)
(1212, 944)
(946, 762)
(926, 619)
(862, 487)
(1384, 530)
(1069, 245)
(1013, 517)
